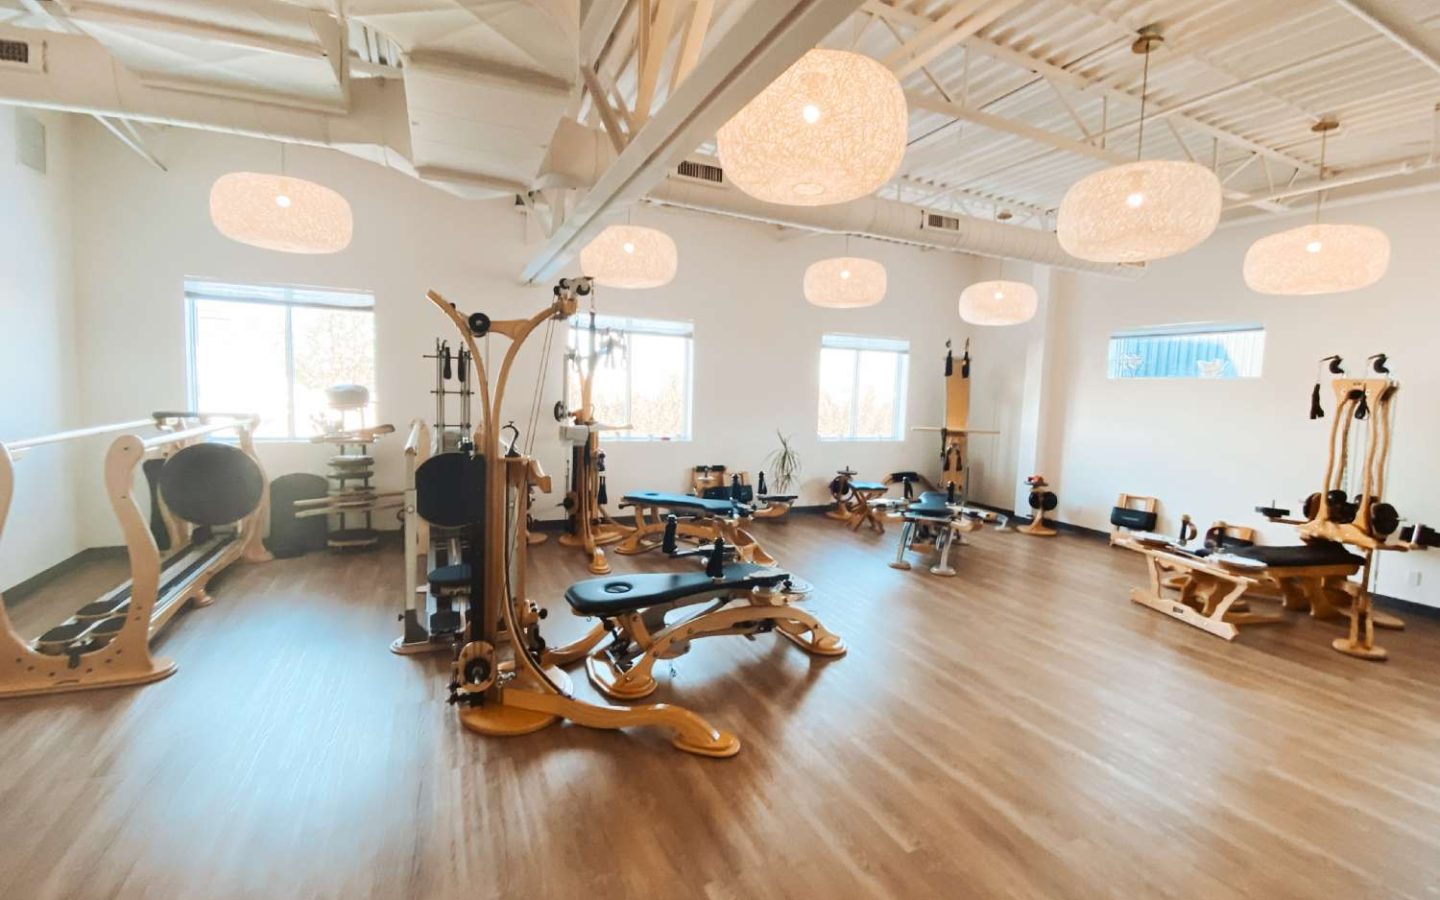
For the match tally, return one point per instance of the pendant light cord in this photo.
(1144, 92)
(1320, 194)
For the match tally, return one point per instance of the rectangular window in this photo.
(273, 350)
(644, 382)
(862, 388)
(1205, 350)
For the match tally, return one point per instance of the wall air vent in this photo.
(22, 55)
(940, 222)
(705, 172)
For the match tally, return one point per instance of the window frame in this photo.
(862, 343)
(1187, 329)
(288, 297)
(626, 326)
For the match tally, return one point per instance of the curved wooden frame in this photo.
(591, 525)
(647, 638)
(125, 659)
(528, 698)
(649, 531)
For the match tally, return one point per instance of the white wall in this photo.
(38, 361)
(141, 232)
(1217, 449)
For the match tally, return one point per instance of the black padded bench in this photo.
(1301, 556)
(686, 502)
(628, 593)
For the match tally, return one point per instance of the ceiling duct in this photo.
(887, 220)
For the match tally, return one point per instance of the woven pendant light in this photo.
(998, 303)
(277, 212)
(1140, 211)
(1318, 258)
(832, 128)
(630, 256)
(845, 282)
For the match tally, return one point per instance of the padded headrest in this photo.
(211, 484)
(450, 489)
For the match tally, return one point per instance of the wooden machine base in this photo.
(1358, 650)
(86, 679)
(525, 710)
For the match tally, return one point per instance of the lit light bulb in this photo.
(282, 201)
(811, 112)
(844, 273)
(629, 247)
(1135, 200)
(1313, 247)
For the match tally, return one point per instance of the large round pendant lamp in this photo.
(630, 256)
(845, 282)
(998, 303)
(1318, 258)
(277, 212)
(1140, 211)
(832, 128)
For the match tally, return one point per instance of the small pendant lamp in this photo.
(277, 212)
(998, 302)
(1318, 258)
(1140, 211)
(630, 256)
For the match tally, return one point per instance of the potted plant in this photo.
(784, 464)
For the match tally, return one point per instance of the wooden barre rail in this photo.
(76, 434)
(171, 437)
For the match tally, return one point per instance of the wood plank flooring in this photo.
(1019, 731)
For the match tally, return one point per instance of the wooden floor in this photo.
(1022, 730)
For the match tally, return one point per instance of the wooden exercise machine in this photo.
(1132, 513)
(743, 599)
(437, 577)
(506, 682)
(933, 524)
(212, 499)
(1040, 501)
(857, 502)
(718, 483)
(1340, 536)
(590, 524)
(663, 519)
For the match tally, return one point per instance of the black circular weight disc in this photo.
(211, 484)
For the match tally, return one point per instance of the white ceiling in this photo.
(1011, 100)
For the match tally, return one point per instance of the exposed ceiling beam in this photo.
(104, 14)
(1353, 177)
(485, 72)
(1003, 125)
(1080, 82)
(1384, 17)
(971, 24)
(762, 43)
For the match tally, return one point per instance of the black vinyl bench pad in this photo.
(1316, 553)
(626, 593)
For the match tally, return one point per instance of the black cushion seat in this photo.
(457, 575)
(1315, 553)
(867, 486)
(687, 502)
(627, 593)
